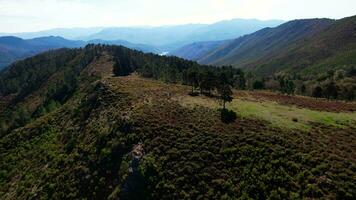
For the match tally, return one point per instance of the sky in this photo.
(35, 15)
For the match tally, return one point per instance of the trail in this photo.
(133, 187)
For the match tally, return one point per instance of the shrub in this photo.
(228, 116)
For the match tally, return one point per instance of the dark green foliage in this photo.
(54, 75)
(331, 91)
(303, 89)
(287, 86)
(192, 78)
(318, 92)
(258, 85)
(228, 116)
(240, 80)
(225, 94)
(121, 69)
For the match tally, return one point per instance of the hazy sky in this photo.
(34, 15)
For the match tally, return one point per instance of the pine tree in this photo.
(317, 92)
(225, 94)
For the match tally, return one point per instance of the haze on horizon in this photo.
(36, 15)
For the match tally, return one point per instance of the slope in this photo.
(195, 51)
(82, 149)
(301, 46)
(13, 48)
(267, 42)
(331, 49)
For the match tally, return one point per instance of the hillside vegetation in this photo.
(313, 56)
(13, 49)
(84, 127)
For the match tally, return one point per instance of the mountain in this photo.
(183, 34)
(71, 129)
(196, 50)
(166, 38)
(264, 43)
(296, 46)
(332, 48)
(141, 47)
(69, 33)
(14, 48)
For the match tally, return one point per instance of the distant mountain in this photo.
(264, 42)
(296, 46)
(197, 50)
(14, 48)
(69, 33)
(172, 37)
(166, 38)
(141, 47)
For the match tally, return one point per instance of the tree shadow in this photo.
(228, 116)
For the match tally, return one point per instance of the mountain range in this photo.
(166, 38)
(295, 46)
(13, 48)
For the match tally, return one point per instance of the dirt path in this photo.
(133, 186)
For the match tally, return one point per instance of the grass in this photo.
(279, 115)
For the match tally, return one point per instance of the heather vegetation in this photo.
(92, 107)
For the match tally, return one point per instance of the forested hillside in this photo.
(107, 122)
(315, 57)
(196, 50)
(299, 46)
(13, 49)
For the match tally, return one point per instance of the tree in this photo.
(240, 80)
(224, 89)
(290, 87)
(331, 90)
(121, 68)
(317, 92)
(258, 85)
(208, 81)
(225, 94)
(287, 86)
(303, 89)
(193, 79)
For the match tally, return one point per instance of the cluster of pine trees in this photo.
(207, 80)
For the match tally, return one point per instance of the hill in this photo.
(195, 51)
(73, 130)
(299, 46)
(331, 49)
(267, 42)
(13, 48)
